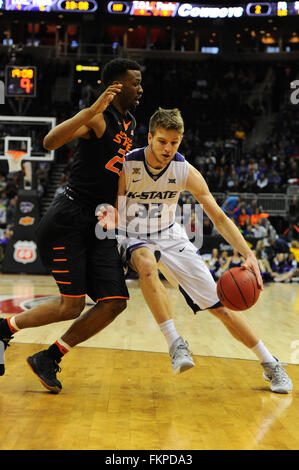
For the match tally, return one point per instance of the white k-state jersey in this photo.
(151, 199)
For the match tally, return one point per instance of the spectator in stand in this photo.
(207, 227)
(236, 260)
(2, 182)
(213, 263)
(221, 180)
(294, 210)
(291, 232)
(230, 204)
(12, 186)
(248, 185)
(247, 231)
(11, 211)
(286, 266)
(243, 217)
(224, 261)
(4, 201)
(293, 169)
(295, 249)
(3, 242)
(240, 135)
(232, 181)
(259, 229)
(279, 264)
(3, 209)
(266, 271)
(276, 246)
(260, 249)
(274, 181)
(257, 214)
(262, 183)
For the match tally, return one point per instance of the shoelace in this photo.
(51, 366)
(280, 373)
(184, 346)
(6, 341)
(57, 368)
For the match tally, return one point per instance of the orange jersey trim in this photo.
(56, 271)
(65, 295)
(60, 259)
(115, 297)
(58, 247)
(63, 282)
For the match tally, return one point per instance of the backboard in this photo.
(24, 133)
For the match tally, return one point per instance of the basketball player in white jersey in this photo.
(151, 240)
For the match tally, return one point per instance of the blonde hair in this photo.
(169, 119)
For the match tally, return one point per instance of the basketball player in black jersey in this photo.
(80, 263)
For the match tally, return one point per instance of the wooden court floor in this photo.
(119, 391)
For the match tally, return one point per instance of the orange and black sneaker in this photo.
(46, 369)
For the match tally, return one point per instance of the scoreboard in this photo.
(184, 10)
(20, 81)
(72, 6)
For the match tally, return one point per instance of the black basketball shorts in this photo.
(80, 263)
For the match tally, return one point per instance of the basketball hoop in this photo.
(14, 159)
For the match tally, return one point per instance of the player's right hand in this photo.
(105, 98)
(108, 217)
(252, 264)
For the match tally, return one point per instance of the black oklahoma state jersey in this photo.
(98, 162)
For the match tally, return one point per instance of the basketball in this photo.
(237, 289)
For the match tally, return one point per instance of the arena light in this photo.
(87, 68)
(210, 50)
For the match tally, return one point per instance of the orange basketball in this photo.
(237, 289)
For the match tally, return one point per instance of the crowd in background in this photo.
(217, 102)
(277, 254)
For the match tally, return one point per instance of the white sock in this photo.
(262, 352)
(169, 331)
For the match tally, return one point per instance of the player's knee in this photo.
(119, 306)
(220, 312)
(147, 267)
(71, 309)
(144, 262)
(113, 306)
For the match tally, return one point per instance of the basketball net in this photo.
(14, 159)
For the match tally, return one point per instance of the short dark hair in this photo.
(117, 68)
(169, 119)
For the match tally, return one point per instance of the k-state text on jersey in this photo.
(152, 194)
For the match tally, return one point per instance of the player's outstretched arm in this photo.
(199, 188)
(111, 217)
(79, 125)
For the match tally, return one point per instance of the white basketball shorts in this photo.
(181, 264)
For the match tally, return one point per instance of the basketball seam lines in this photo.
(253, 284)
(222, 291)
(238, 288)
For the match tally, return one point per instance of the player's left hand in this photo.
(103, 101)
(108, 217)
(252, 264)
